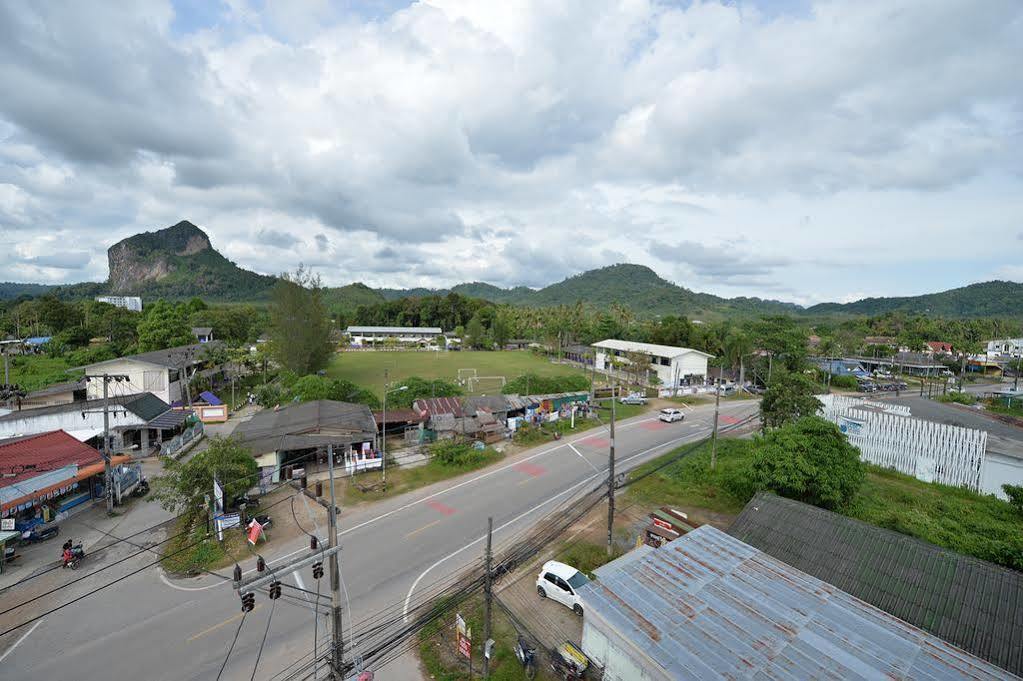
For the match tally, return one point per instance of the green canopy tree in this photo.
(809, 460)
(182, 488)
(788, 398)
(163, 326)
(299, 323)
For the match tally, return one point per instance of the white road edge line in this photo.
(18, 642)
(408, 597)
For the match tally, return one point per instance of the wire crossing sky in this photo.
(798, 150)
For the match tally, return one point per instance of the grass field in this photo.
(366, 368)
(33, 372)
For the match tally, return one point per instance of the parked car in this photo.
(634, 398)
(671, 414)
(560, 583)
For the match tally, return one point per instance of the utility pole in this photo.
(337, 649)
(107, 477)
(611, 473)
(714, 436)
(1019, 367)
(383, 438)
(488, 593)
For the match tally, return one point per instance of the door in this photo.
(555, 590)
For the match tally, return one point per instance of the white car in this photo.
(670, 415)
(560, 582)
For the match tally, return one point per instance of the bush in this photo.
(1015, 494)
(809, 460)
(844, 382)
(268, 395)
(454, 453)
(100, 353)
(958, 398)
(532, 384)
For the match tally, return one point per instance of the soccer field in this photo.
(366, 368)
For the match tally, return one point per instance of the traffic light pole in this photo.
(337, 649)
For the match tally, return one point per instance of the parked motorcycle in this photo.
(142, 489)
(527, 657)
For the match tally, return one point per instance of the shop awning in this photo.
(86, 472)
(172, 418)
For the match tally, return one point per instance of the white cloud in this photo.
(734, 151)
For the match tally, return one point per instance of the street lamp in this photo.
(383, 430)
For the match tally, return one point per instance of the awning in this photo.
(172, 418)
(86, 472)
(85, 434)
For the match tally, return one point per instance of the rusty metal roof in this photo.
(710, 606)
(967, 601)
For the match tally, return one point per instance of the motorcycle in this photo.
(527, 657)
(569, 662)
(142, 489)
(77, 555)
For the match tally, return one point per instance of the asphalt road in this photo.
(932, 410)
(395, 551)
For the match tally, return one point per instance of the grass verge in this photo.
(362, 487)
(978, 525)
(191, 553)
(529, 436)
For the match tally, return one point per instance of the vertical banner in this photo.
(464, 636)
(218, 497)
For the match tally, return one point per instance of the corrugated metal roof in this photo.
(709, 606)
(434, 406)
(171, 358)
(648, 348)
(144, 405)
(307, 424)
(172, 418)
(974, 604)
(393, 329)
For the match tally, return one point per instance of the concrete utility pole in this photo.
(611, 474)
(337, 648)
(714, 436)
(107, 477)
(488, 593)
(383, 438)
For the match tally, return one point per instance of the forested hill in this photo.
(636, 287)
(987, 299)
(10, 290)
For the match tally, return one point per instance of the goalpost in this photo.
(474, 381)
(465, 375)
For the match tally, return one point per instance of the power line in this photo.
(233, 641)
(273, 604)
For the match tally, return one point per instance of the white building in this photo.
(1005, 347)
(406, 335)
(672, 364)
(133, 303)
(157, 372)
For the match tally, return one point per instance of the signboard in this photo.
(224, 522)
(7, 524)
(218, 497)
(464, 636)
(255, 531)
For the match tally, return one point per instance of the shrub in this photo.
(844, 382)
(454, 453)
(809, 460)
(958, 398)
(1015, 494)
(533, 384)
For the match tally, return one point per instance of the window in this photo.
(577, 580)
(563, 585)
(552, 579)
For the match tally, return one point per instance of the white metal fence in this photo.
(887, 436)
(175, 446)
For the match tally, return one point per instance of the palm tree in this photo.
(738, 345)
(827, 348)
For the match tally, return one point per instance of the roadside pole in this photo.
(337, 649)
(611, 473)
(714, 436)
(107, 476)
(488, 593)
(383, 439)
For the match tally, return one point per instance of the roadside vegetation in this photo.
(529, 435)
(970, 523)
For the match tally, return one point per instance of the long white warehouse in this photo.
(671, 363)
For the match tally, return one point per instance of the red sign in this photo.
(664, 525)
(464, 646)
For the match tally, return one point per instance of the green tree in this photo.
(738, 346)
(181, 489)
(789, 397)
(299, 323)
(809, 460)
(417, 387)
(1015, 494)
(475, 335)
(163, 326)
(500, 330)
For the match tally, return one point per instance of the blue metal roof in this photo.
(707, 605)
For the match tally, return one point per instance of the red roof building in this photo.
(939, 347)
(31, 466)
(435, 406)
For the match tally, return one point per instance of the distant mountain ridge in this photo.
(180, 262)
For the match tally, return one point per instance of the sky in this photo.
(796, 150)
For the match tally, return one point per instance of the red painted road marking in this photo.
(530, 469)
(728, 420)
(654, 425)
(443, 509)
(595, 442)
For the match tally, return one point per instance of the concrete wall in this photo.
(605, 648)
(691, 363)
(1000, 469)
(142, 378)
(27, 423)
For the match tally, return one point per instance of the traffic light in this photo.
(248, 601)
(275, 590)
(317, 570)
(313, 544)
(260, 564)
